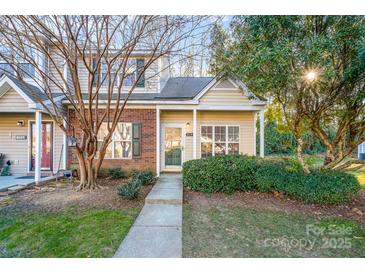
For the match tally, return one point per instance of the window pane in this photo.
(6, 68)
(26, 70)
(129, 79)
(108, 153)
(112, 78)
(219, 148)
(206, 150)
(103, 131)
(220, 134)
(123, 132)
(233, 134)
(233, 148)
(207, 134)
(123, 150)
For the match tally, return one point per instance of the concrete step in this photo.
(166, 196)
(160, 215)
(16, 188)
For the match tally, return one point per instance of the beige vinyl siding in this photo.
(15, 150)
(225, 94)
(11, 101)
(215, 97)
(56, 70)
(18, 151)
(178, 117)
(244, 119)
(224, 84)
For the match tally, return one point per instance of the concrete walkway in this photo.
(11, 183)
(156, 233)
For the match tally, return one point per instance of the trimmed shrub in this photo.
(116, 173)
(233, 173)
(130, 190)
(146, 177)
(220, 174)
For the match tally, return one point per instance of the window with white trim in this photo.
(133, 68)
(219, 140)
(121, 144)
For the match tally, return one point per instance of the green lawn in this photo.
(71, 233)
(239, 232)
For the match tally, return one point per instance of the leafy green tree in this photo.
(313, 67)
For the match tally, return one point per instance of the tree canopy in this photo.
(313, 67)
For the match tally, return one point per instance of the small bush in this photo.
(129, 190)
(233, 173)
(220, 174)
(146, 177)
(116, 173)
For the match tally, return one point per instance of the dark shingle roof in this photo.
(183, 88)
(31, 91)
(176, 88)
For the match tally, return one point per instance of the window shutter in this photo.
(140, 66)
(136, 140)
(96, 74)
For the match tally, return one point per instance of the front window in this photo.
(123, 141)
(120, 146)
(219, 140)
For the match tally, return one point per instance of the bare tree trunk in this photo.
(82, 167)
(91, 179)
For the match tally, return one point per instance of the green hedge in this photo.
(232, 173)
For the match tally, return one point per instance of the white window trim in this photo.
(113, 145)
(118, 78)
(213, 137)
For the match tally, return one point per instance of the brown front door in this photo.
(46, 146)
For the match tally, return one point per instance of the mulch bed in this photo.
(57, 197)
(354, 210)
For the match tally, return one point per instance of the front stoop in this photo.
(157, 231)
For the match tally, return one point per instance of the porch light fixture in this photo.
(71, 141)
(20, 123)
(187, 126)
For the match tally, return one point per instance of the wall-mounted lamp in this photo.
(20, 123)
(71, 141)
(187, 126)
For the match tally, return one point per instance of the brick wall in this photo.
(147, 118)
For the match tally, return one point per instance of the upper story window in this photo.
(6, 68)
(133, 70)
(26, 70)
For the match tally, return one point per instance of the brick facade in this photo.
(147, 118)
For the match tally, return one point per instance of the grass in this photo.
(71, 233)
(238, 232)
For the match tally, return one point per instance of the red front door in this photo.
(46, 146)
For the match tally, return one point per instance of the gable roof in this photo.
(31, 92)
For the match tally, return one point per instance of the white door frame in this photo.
(163, 130)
